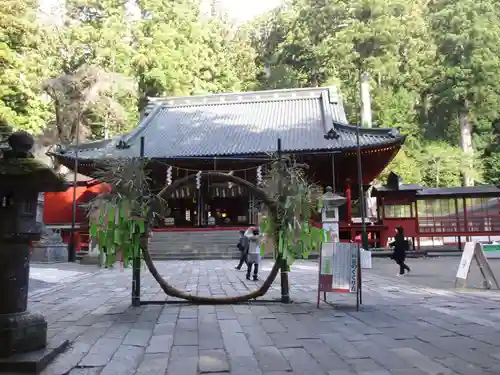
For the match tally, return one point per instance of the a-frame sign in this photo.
(475, 251)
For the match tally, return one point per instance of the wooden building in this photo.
(237, 132)
(438, 217)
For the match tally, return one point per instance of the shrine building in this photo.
(236, 133)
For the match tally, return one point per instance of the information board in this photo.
(477, 252)
(492, 250)
(339, 268)
(465, 261)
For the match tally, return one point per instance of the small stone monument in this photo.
(23, 334)
(50, 248)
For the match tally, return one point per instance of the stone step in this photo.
(195, 253)
(194, 245)
(192, 235)
(194, 238)
(189, 257)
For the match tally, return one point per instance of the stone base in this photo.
(49, 254)
(33, 362)
(22, 332)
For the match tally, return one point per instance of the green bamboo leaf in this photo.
(124, 210)
(140, 224)
(93, 230)
(111, 213)
(280, 243)
(118, 236)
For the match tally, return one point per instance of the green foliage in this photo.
(120, 218)
(82, 96)
(429, 63)
(443, 165)
(21, 105)
(492, 168)
(298, 200)
(118, 233)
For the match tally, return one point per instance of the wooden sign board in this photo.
(474, 251)
(339, 269)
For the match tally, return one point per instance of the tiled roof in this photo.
(403, 187)
(334, 99)
(480, 190)
(239, 124)
(424, 192)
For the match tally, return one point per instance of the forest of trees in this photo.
(433, 66)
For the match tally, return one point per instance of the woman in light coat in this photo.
(253, 257)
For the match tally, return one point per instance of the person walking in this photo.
(253, 258)
(401, 246)
(243, 248)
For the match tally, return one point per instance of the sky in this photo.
(245, 10)
(238, 10)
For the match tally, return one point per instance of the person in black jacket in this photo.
(400, 246)
(243, 248)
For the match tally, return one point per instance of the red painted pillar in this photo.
(466, 219)
(348, 202)
(417, 224)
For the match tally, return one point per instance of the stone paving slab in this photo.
(403, 327)
(435, 272)
(47, 277)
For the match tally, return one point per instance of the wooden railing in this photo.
(458, 225)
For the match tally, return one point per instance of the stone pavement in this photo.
(435, 272)
(48, 276)
(404, 327)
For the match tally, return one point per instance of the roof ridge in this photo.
(393, 132)
(125, 139)
(249, 96)
(250, 93)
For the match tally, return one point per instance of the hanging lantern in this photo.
(169, 176)
(198, 180)
(259, 175)
(230, 184)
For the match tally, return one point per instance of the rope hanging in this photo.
(218, 170)
(169, 175)
(259, 175)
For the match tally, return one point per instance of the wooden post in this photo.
(285, 297)
(136, 261)
(457, 213)
(333, 173)
(348, 198)
(466, 219)
(417, 223)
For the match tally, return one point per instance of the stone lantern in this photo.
(330, 213)
(23, 334)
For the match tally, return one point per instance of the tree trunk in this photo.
(366, 110)
(424, 108)
(466, 142)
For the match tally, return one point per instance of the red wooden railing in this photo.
(458, 225)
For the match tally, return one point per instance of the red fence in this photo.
(458, 225)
